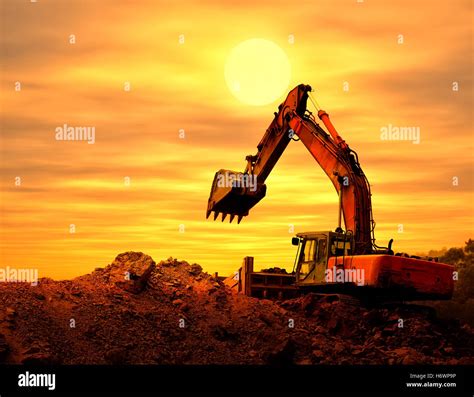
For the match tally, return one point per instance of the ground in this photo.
(137, 312)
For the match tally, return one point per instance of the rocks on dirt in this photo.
(130, 271)
(282, 354)
(92, 331)
(116, 356)
(195, 269)
(222, 333)
(39, 353)
(4, 348)
(7, 318)
(318, 354)
(10, 313)
(39, 359)
(407, 356)
(39, 296)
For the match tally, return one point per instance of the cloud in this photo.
(176, 87)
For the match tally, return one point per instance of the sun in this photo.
(257, 72)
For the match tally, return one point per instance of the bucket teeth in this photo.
(224, 215)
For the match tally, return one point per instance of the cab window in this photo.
(308, 257)
(322, 250)
(309, 249)
(340, 247)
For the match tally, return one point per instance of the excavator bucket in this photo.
(234, 193)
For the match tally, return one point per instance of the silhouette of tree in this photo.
(453, 256)
(469, 246)
(461, 306)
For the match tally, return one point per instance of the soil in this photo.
(135, 311)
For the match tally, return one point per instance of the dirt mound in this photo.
(137, 312)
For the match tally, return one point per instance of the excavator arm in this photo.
(236, 193)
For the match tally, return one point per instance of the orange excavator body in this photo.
(399, 277)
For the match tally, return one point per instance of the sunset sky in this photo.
(176, 85)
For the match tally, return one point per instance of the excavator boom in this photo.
(236, 193)
(228, 196)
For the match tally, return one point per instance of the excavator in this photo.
(346, 260)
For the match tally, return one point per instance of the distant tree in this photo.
(469, 246)
(461, 306)
(453, 256)
(436, 253)
(465, 287)
(465, 265)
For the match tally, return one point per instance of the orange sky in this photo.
(181, 86)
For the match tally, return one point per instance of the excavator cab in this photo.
(314, 251)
